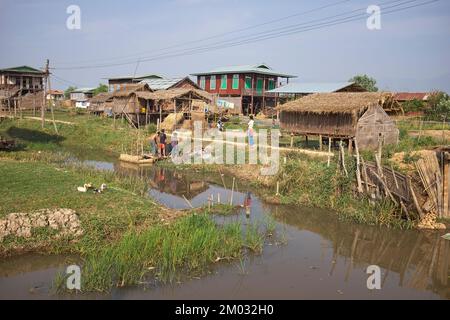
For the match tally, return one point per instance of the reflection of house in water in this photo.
(164, 180)
(421, 259)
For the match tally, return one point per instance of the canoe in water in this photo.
(136, 159)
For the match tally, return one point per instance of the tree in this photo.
(101, 88)
(68, 91)
(438, 106)
(366, 82)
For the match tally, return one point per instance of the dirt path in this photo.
(243, 145)
(437, 134)
(39, 119)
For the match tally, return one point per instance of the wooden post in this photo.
(358, 167)
(49, 88)
(341, 147)
(174, 114)
(160, 115)
(232, 192)
(44, 98)
(446, 181)
(350, 147)
(329, 151)
(320, 142)
(292, 139)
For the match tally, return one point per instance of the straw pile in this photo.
(171, 121)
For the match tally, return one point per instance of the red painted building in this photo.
(245, 86)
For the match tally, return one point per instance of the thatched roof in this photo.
(337, 103)
(132, 88)
(173, 94)
(101, 97)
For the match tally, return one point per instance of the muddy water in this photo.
(322, 258)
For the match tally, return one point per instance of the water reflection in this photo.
(324, 257)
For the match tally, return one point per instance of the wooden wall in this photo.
(339, 125)
(373, 124)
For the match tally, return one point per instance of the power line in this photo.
(288, 30)
(221, 34)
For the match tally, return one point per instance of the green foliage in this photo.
(101, 88)
(189, 245)
(366, 82)
(413, 106)
(68, 91)
(304, 181)
(438, 107)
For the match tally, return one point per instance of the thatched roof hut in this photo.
(342, 115)
(181, 97)
(126, 100)
(100, 102)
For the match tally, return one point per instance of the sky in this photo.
(411, 51)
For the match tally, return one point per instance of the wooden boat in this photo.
(140, 160)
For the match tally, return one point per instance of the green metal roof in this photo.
(258, 68)
(148, 76)
(23, 69)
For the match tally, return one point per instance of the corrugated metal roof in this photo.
(148, 76)
(409, 96)
(161, 84)
(83, 90)
(258, 68)
(312, 87)
(22, 69)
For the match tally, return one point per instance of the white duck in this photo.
(85, 187)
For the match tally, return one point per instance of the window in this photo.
(248, 82)
(223, 82)
(212, 84)
(271, 85)
(235, 84)
(203, 82)
(259, 85)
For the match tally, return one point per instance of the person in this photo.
(174, 143)
(162, 142)
(220, 124)
(250, 133)
(154, 143)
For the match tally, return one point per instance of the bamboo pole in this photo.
(232, 192)
(358, 165)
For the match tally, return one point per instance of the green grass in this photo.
(87, 134)
(188, 247)
(29, 186)
(310, 182)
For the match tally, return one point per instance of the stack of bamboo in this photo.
(430, 174)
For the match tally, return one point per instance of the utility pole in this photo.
(49, 88)
(45, 94)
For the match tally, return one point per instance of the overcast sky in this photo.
(411, 51)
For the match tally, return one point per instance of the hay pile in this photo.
(171, 121)
(429, 222)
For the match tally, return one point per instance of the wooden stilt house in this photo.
(342, 116)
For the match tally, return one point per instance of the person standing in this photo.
(162, 142)
(154, 143)
(174, 143)
(250, 131)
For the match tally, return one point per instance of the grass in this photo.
(188, 246)
(87, 134)
(29, 186)
(310, 182)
